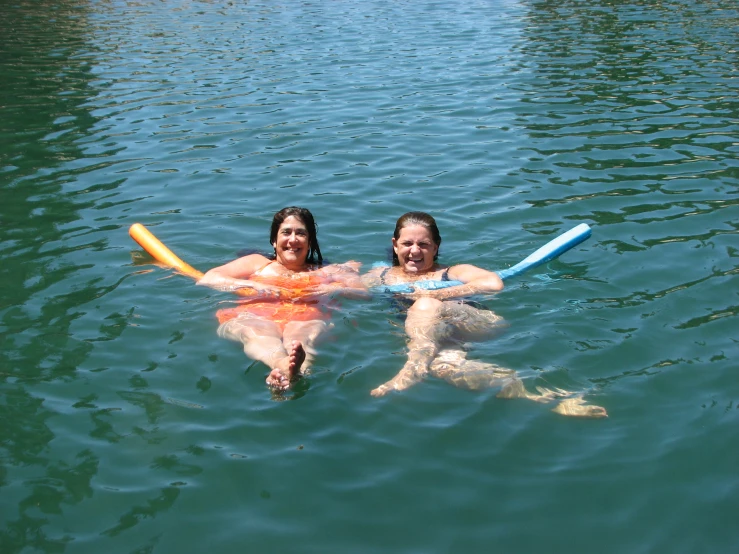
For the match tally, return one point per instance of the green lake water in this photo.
(128, 426)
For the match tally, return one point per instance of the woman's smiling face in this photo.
(416, 249)
(292, 243)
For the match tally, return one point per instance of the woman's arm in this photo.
(373, 277)
(235, 275)
(476, 281)
(344, 280)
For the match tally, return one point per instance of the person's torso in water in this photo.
(395, 276)
(275, 274)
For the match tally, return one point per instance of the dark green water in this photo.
(128, 426)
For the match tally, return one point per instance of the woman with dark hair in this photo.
(280, 323)
(437, 320)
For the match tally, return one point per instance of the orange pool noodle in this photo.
(159, 252)
(164, 255)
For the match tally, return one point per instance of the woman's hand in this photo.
(243, 286)
(324, 290)
(345, 281)
(350, 266)
(474, 281)
(267, 292)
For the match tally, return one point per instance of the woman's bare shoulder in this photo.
(244, 266)
(350, 266)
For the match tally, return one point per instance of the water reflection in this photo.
(44, 87)
(619, 114)
(44, 289)
(102, 427)
(615, 96)
(149, 510)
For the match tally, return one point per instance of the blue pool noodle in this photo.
(548, 252)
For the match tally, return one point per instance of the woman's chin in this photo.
(412, 269)
(291, 260)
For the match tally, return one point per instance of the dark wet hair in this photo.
(417, 218)
(304, 215)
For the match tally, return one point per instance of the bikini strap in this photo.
(382, 275)
(256, 273)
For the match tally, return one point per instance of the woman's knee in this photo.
(305, 331)
(425, 306)
(243, 330)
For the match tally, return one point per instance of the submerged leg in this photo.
(263, 341)
(572, 406)
(470, 323)
(298, 340)
(577, 407)
(307, 333)
(453, 366)
(515, 389)
(425, 329)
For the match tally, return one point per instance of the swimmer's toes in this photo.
(296, 359)
(278, 380)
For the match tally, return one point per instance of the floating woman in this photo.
(436, 320)
(280, 324)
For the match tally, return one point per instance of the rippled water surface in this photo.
(128, 426)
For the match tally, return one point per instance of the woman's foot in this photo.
(576, 407)
(288, 368)
(572, 407)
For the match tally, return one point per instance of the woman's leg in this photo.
(263, 341)
(307, 334)
(431, 321)
(573, 405)
(452, 366)
(469, 323)
(298, 341)
(426, 329)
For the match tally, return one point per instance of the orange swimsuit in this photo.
(280, 312)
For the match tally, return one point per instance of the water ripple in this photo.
(128, 420)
